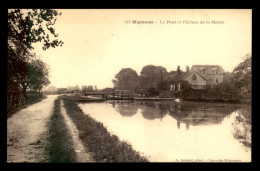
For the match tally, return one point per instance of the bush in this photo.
(224, 91)
(153, 91)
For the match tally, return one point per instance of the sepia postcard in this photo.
(129, 85)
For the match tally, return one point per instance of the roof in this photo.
(193, 72)
(107, 89)
(174, 76)
(170, 76)
(209, 69)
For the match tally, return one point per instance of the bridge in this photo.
(96, 93)
(109, 95)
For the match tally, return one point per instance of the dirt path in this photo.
(27, 132)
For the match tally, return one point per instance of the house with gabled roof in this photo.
(195, 79)
(199, 76)
(213, 73)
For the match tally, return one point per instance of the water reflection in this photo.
(167, 131)
(186, 113)
(152, 111)
(242, 127)
(194, 114)
(125, 109)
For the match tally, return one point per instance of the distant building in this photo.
(90, 88)
(198, 76)
(84, 90)
(196, 80)
(122, 93)
(108, 90)
(201, 75)
(62, 90)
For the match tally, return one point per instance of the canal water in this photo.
(178, 132)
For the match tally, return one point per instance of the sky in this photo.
(98, 43)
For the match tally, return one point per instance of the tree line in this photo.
(24, 67)
(152, 79)
(128, 79)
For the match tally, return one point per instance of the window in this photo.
(194, 77)
(217, 80)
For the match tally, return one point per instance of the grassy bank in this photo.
(60, 147)
(103, 146)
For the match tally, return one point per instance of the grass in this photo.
(96, 138)
(60, 147)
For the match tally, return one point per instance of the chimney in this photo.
(187, 68)
(178, 69)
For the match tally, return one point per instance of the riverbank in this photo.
(104, 146)
(60, 148)
(217, 100)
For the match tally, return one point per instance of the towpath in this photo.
(27, 132)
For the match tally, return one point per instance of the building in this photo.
(84, 90)
(122, 93)
(175, 78)
(108, 90)
(201, 75)
(90, 88)
(61, 90)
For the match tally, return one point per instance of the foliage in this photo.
(26, 27)
(163, 86)
(224, 90)
(151, 81)
(126, 79)
(186, 89)
(52, 88)
(185, 86)
(243, 74)
(37, 75)
(151, 76)
(153, 91)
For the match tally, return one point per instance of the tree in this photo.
(126, 79)
(186, 89)
(37, 75)
(163, 86)
(152, 76)
(243, 74)
(52, 88)
(226, 90)
(26, 27)
(153, 91)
